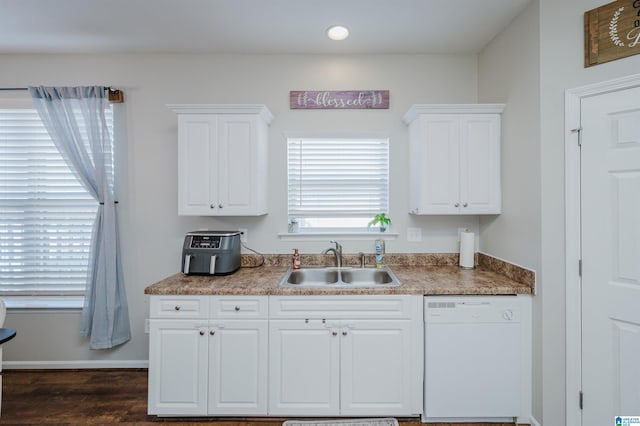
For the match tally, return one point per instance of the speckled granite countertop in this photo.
(490, 277)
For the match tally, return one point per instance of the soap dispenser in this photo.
(295, 259)
(379, 253)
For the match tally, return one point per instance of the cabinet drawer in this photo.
(249, 307)
(179, 307)
(344, 307)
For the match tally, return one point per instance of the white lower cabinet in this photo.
(304, 368)
(238, 367)
(208, 364)
(375, 366)
(342, 358)
(177, 359)
(286, 355)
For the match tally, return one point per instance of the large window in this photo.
(46, 216)
(337, 183)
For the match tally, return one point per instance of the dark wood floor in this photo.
(96, 397)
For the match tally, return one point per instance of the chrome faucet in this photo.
(336, 251)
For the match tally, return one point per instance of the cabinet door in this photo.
(376, 368)
(177, 367)
(197, 156)
(238, 367)
(480, 164)
(304, 370)
(435, 165)
(239, 166)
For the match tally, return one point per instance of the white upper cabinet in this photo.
(454, 158)
(222, 159)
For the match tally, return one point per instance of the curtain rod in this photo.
(115, 95)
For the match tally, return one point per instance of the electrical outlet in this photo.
(414, 235)
(243, 236)
(147, 326)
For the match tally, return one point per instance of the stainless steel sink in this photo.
(340, 278)
(366, 276)
(312, 277)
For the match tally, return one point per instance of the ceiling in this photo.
(252, 26)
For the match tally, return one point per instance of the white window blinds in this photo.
(46, 217)
(343, 178)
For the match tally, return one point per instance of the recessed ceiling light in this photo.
(337, 32)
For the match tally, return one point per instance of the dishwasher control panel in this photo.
(472, 309)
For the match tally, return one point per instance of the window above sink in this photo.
(336, 184)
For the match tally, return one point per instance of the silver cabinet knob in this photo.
(237, 308)
(344, 332)
(334, 333)
(202, 332)
(456, 205)
(211, 206)
(212, 332)
(220, 206)
(177, 307)
(465, 204)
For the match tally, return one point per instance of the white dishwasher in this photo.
(472, 358)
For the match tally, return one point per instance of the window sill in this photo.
(29, 303)
(344, 235)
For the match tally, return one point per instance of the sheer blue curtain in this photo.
(74, 118)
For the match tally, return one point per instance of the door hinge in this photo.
(581, 398)
(578, 130)
(580, 267)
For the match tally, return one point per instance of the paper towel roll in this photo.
(467, 249)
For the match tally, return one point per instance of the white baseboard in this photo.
(82, 364)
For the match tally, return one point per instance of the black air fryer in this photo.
(211, 252)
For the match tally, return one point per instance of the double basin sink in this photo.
(340, 277)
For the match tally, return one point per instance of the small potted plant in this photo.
(382, 220)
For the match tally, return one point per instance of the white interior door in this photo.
(610, 208)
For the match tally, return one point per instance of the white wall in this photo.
(561, 68)
(152, 233)
(509, 72)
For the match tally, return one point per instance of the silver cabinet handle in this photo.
(344, 332)
(220, 206)
(456, 205)
(211, 206)
(237, 308)
(334, 333)
(202, 332)
(212, 332)
(465, 204)
(177, 307)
